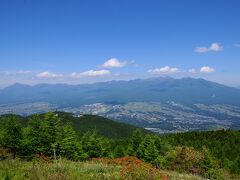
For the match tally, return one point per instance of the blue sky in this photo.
(70, 41)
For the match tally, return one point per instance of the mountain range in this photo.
(160, 104)
(185, 90)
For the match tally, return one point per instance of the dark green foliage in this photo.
(202, 153)
(147, 150)
(104, 127)
(11, 134)
(42, 134)
(54, 132)
(52, 127)
(119, 151)
(45, 134)
(4, 119)
(68, 142)
(223, 145)
(94, 146)
(209, 166)
(35, 139)
(187, 159)
(157, 151)
(135, 141)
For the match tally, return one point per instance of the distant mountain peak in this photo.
(18, 85)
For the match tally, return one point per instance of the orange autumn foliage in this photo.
(133, 168)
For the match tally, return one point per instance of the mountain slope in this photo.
(186, 90)
(103, 126)
(84, 123)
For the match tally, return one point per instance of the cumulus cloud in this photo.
(91, 73)
(47, 74)
(114, 63)
(163, 70)
(207, 69)
(215, 47)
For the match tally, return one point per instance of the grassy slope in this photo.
(69, 170)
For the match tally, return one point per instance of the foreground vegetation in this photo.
(96, 169)
(224, 146)
(48, 147)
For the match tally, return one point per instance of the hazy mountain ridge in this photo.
(162, 104)
(185, 90)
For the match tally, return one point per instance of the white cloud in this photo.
(114, 63)
(47, 74)
(207, 69)
(215, 47)
(192, 71)
(163, 70)
(91, 73)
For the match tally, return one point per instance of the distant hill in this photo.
(185, 90)
(84, 123)
(103, 126)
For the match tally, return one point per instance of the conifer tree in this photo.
(68, 142)
(34, 139)
(134, 142)
(93, 145)
(147, 150)
(12, 135)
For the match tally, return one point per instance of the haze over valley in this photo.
(158, 104)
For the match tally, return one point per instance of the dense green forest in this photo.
(83, 123)
(224, 145)
(58, 135)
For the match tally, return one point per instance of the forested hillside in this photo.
(224, 145)
(84, 123)
(51, 137)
